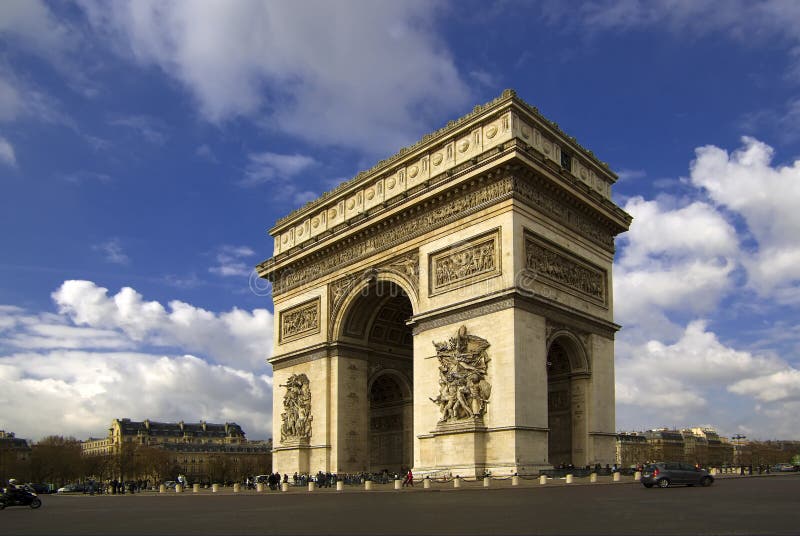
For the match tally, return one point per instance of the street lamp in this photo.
(738, 447)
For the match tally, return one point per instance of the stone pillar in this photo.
(339, 485)
(398, 483)
(569, 479)
(616, 476)
(311, 485)
(426, 483)
(593, 477)
(237, 487)
(162, 488)
(214, 488)
(515, 480)
(543, 479)
(457, 482)
(637, 476)
(368, 485)
(178, 488)
(195, 488)
(487, 482)
(284, 486)
(259, 487)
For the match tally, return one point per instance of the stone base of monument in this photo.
(294, 455)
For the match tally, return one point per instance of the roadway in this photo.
(748, 505)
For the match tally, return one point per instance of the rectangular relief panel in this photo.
(563, 270)
(465, 263)
(300, 321)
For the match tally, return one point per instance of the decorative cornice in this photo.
(507, 96)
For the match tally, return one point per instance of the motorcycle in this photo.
(20, 497)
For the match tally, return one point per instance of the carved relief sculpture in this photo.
(300, 321)
(560, 268)
(463, 389)
(297, 409)
(464, 264)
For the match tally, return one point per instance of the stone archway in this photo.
(390, 423)
(451, 264)
(567, 378)
(373, 326)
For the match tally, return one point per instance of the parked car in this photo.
(39, 488)
(784, 468)
(72, 488)
(665, 474)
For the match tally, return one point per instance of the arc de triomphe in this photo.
(450, 309)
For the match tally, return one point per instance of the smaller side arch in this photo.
(359, 287)
(575, 349)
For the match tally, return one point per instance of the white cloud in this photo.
(79, 392)
(767, 198)
(353, 74)
(7, 155)
(630, 174)
(20, 100)
(152, 129)
(237, 338)
(113, 252)
(274, 167)
(231, 261)
(781, 385)
(94, 361)
(672, 259)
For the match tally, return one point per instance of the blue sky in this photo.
(146, 148)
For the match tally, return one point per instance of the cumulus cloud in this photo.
(673, 258)
(236, 338)
(680, 260)
(767, 197)
(79, 392)
(352, 74)
(105, 356)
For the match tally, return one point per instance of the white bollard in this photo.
(178, 488)
(368, 485)
(260, 487)
(195, 488)
(284, 486)
(593, 477)
(542, 479)
(237, 487)
(426, 483)
(214, 488)
(162, 488)
(339, 485)
(311, 485)
(398, 483)
(616, 476)
(457, 482)
(515, 480)
(637, 476)
(487, 482)
(568, 480)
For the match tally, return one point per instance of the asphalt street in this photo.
(757, 505)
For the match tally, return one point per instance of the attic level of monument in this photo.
(501, 131)
(451, 310)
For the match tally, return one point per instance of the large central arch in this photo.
(450, 309)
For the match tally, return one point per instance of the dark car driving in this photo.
(666, 474)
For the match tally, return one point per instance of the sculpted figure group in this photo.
(297, 405)
(463, 389)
